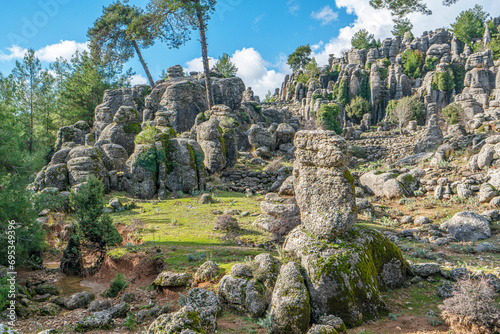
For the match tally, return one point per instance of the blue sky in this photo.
(258, 34)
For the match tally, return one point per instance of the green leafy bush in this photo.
(430, 63)
(117, 284)
(443, 81)
(328, 118)
(452, 113)
(358, 107)
(469, 24)
(147, 136)
(412, 63)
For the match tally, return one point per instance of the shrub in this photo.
(472, 309)
(469, 24)
(4, 293)
(405, 110)
(343, 92)
(226, 223)
(95, 229)
(117, 284)
(130, 322)
(358, 107)
(328, 118)
(430, 63)
(452, 113)
(412, 63)
(147, 136)
(443, 81)
(283, 226)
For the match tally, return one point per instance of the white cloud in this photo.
(49, 53)
(326, 15)
(256, 21)
(138, 79)
(64, 49)
(196, 65)
(257, 73)
(379, 22)
(293, 6)
(15, 52)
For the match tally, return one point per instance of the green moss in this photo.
(91, 137)
(348, 176)
(134, 128)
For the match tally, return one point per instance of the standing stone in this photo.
(324, 187)
(290, 308)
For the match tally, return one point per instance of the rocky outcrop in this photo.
(324, 187)
(348, 281)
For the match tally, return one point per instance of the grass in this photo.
(170, 225)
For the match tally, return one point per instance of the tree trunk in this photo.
(144, 65)
(31, 111)
(204, 53)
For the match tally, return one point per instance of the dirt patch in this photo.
(403, 324)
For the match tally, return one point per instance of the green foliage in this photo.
(358, 107)
(402, 26)
(458, 70)
(147, 135)
(469, 24)
(364, 85)
(328, 118)
(266, 322)
(311, 71)
(117, 284)
(300, 58)
(400, 8)
(130, 322)
(93, 225)
(4, 293)
(412, 63)
(404, 110)
(150, 159)
(430, 63)
(225, 66)
(17, 166)
(452, 113)
(361, 39)
(343, 92)
(443, 81)
(269, 97)
(81, 83)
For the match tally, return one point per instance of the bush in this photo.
(117, 284)
(328, 118)
(412, 63)
(404, 110)
(226, 223)
(452, 113)
(430, 63)
(4, 293)
(469, 24)
(443, 81)
(472, 309)
(358, 107)
(147, 136)
(283, 226)
(275, 165)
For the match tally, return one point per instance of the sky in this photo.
(257, 34)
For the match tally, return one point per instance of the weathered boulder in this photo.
(432, 138)
(184, 321)
(324, 188)
(284, 134)
(114, 157)
(287, 188)
(124, 128)
(170, 279)
(207, 306)
(468, 226)
(85, 161)
(346, 280)
(290, 305)
(228, 92)
(210, 138)
(185, 170)
(79, 300)
(206, 272)
(259, 136)
(139, 178)
(98, 320)
(373, 182)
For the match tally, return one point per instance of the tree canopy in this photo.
(361, 39)
(225, 66)
(300, 57)
(469, 24)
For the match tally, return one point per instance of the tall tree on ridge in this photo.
(120, 32)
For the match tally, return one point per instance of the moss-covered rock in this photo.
(183, 321)
(290, 305)
(345, 276)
